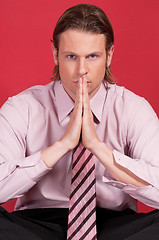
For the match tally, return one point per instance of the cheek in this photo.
(100, 70)
(65, 70)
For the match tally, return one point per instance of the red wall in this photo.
(25, 50)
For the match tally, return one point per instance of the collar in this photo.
(98, 100)
(64, 104)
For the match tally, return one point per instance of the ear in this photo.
(54, 51)
(110, 55)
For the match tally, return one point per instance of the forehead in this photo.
(81, 41)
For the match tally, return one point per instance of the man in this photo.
(42, 126)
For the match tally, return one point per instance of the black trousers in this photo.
(51, 224)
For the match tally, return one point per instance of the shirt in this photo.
(38, 117)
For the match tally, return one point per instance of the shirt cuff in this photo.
(136, 166)
(128, 163)
(34, 166)
(127, 188)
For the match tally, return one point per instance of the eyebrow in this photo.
(73, 53)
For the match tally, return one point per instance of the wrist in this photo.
(53, 154)
(94, 146)
(99, 148)
(65, 145)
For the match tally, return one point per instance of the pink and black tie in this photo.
(82, 208)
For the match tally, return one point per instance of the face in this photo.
(81, 54)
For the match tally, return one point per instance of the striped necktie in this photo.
(82, 208)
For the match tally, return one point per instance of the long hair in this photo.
(88, 18)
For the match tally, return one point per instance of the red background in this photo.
(26, 27)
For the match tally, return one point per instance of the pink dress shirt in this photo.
(38, 117)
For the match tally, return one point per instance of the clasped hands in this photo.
(81, 123)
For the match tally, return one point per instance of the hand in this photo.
(81, 120)
(89, 135)
(72, 134)
(76, 124)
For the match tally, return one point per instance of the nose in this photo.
(82, 67)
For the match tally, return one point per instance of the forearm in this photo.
(17, 178)
(53, 154)
(120, 173)
(71, 137)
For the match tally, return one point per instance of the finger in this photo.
(86, 99)
(78, 99)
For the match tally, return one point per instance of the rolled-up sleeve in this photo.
(142, 138)
(19, 171)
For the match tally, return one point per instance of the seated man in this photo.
(113, 133)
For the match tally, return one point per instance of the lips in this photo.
(88, 82)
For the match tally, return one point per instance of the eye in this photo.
(71, 56)
(92, 56)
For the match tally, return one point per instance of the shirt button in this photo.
(114, 184)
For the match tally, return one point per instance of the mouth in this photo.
(76, 82)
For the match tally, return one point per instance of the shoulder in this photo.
(120, 92)
(37, 93)
(31, 100)
(128, 104)
(122, 96)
